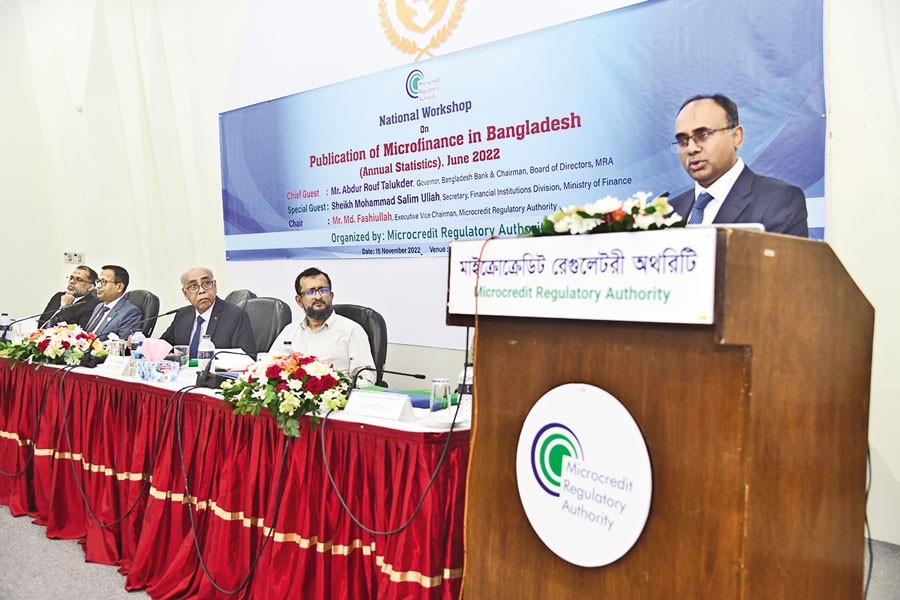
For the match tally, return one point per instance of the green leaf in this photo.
(291, 427)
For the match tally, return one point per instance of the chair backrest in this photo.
(148, 302)
(268, 316)
(240, 298)
(375, 327)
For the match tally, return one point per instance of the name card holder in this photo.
(114, 365)
(380, 405)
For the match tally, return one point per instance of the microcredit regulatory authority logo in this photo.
(551, 446)
(583, 473)
(412, 83)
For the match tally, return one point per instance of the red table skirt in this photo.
(108, 451)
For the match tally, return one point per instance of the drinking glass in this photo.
(440, 396)
(182, 354)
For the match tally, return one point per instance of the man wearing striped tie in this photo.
(114, 314)
(707, 138)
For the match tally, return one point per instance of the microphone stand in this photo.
(208, 379)
(34, 316)
(364, 369)
(6, 331)
(165, 314)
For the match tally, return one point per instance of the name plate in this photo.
(665, 276)
(115, 365)
(381, 405)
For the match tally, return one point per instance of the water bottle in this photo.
(5, 324)
(286, 348)
(464, 389)
(205, 352)
(137, 340)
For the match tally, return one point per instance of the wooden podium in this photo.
(756, 428)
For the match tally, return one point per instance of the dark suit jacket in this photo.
(229, 327)
(78, 313)
(122, 320)
(780, 207)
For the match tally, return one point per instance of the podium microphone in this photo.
(364, 369)
(207, 379)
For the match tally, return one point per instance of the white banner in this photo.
(663, 276)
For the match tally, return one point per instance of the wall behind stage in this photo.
(109, 145)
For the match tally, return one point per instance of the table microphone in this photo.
(205, 378)
(37, 315)
(363, 369)
(165, 314)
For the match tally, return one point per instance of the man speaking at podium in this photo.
(707, 137)
(227, 324)
(325, 334)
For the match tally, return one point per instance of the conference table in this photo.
(107, 461)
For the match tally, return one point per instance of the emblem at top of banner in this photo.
(418, 27)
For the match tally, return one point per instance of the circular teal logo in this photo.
(551, 445)
(412, 83)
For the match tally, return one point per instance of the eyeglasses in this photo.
(324, 291)
(699, 136)
(206, 285)
(103, 282)
(77, 279)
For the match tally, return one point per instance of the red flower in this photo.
(314, 385)
(305, 360)
(65, 345)
(328, 381)
(42, 345)
(617, 215)
(281, 387)
(273, 371)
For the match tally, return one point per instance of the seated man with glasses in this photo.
(74, 305)
(227, 324)
(325, 334)
(114, 314)
(707, 138)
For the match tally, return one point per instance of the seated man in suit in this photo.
(227, 324)
(114, 314)
(708, 136)
(76, 304)
(325, 334)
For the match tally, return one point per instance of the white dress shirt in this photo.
(340, 341)
(719, 191)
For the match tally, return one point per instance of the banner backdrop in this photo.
(488, 140)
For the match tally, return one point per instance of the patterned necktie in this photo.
(699, 206)
(98, 318)
(195, 341)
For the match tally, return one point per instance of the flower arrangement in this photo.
(63, 345)
(290, 386)
(611, 214)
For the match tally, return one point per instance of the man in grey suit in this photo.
(114, 314)
(707, 137)
(227, 324)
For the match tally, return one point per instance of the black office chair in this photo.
(373, 323)
(148, 302)
(240, 298)
(268, 316)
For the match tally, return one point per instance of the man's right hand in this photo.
(66, 299)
